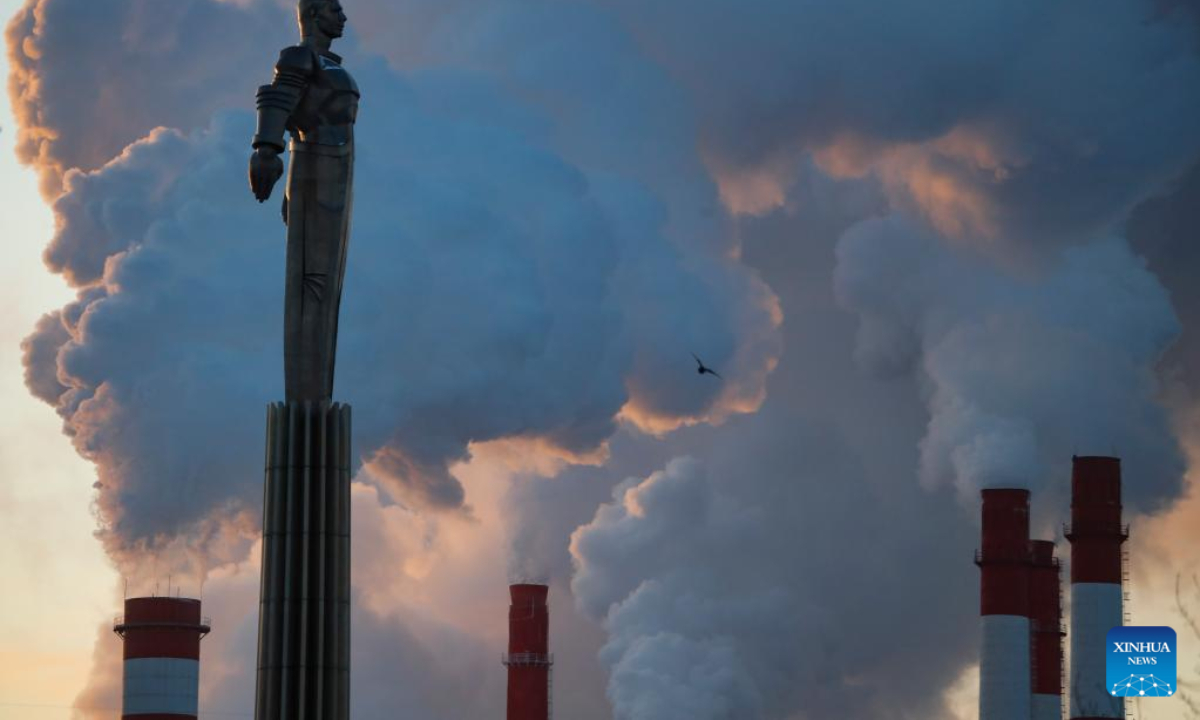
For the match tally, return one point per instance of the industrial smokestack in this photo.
(162, 657)
(1096, 534)
(1045, 612)
(1004, 663)
(528, 657)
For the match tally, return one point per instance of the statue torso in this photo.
(329, 107)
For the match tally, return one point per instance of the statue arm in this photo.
(276, 103)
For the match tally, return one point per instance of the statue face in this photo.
(331, 19)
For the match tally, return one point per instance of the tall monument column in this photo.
(304, 609)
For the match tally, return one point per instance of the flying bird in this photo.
(701, 368)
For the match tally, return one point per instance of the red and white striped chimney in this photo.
(1045, 611)
(1004, 662)
(1096, 534)
(162, 657)
(528, 657)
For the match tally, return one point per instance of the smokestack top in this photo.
(1041, 553)
(1013, 495)
(1004, 557)
(528, 620)
(528, 594)
(1005, 525)
(162, 609)
(1095, 480)
(162, 627)
(1096, 499)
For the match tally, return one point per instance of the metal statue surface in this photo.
(316, 100)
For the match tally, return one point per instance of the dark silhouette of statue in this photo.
(303, 666)
(316, 100)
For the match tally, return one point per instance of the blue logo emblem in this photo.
(1141, 661)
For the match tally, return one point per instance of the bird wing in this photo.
(714, 372)
(698, 360)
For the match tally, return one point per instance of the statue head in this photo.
(321, 17)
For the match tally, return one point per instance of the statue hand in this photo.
(265, 170)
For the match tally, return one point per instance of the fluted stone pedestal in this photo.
(304, 611)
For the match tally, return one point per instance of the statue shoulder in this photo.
(299, 59)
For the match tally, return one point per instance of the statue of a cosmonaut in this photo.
(316, 100)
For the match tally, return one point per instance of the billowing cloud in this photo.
(532, 281)
(665, 665)
(40, 352)
(89, 78)
(1021, 371)
(1162, 230)
(722, 597)
(495, 289)
(1013, 123)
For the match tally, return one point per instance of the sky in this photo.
(60, 585)
(931, 247)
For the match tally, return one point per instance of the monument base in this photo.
(304, 608)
